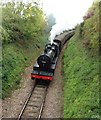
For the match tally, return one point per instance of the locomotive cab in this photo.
(58, 42)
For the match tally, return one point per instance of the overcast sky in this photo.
(68, 13)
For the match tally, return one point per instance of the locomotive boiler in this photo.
(49, 55)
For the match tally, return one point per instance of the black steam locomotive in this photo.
(46, 62)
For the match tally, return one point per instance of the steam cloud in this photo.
(56, 30)
(68, 13)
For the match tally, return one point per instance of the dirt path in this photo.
(54, 100)
(12, 106)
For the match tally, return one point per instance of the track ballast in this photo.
(34, 103)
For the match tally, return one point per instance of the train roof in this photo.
(62, 36)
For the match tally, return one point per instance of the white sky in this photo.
(68, 13)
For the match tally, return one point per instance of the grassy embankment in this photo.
(16, 57)
(81, 69)
(23, 38)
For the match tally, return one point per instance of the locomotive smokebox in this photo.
(44, 62)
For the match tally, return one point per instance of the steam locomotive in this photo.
(46, 63)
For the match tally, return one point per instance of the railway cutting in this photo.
(43, 71)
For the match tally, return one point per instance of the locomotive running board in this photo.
(33, 76)
(41, 75)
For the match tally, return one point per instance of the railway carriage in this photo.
(62, 38)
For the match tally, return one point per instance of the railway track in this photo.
(34, 104)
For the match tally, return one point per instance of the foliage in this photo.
(22, 21)
(90, 28)
(81, 81)
(15, 58)
(97, 1)
(23, 35)
(81, 71)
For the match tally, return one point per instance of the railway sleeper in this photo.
(33, 111)
(37, 96)
(31, 115)
(32, 103)
(39, 92)
(40, 88)
(38, 103)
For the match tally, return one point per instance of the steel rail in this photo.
(42, 105)
(25, 104)
(28, 101)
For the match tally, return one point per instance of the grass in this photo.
(81, 80)
(17, 56)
